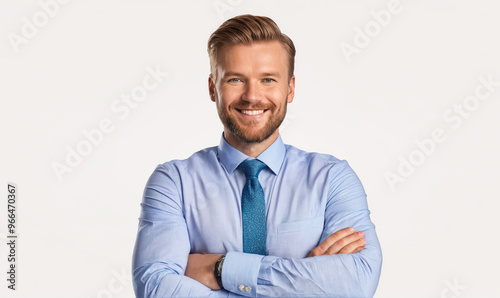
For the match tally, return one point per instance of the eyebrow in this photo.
(270, 74)
(237, 74)
(232, 74)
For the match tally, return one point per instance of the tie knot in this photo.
(251, 167)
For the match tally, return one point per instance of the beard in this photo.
(251, 135)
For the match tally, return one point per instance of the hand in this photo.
(200, 267)
(345, 241)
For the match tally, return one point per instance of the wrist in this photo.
(218, 270)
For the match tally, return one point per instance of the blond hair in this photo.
(246, 29)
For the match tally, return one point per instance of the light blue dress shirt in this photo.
(193, 206)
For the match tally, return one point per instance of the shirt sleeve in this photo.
(162, 245)
(343, 275)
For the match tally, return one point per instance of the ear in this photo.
(211, 87)
(291, 90)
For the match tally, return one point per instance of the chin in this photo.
(255, 137)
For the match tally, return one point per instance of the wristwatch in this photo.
(218, 270)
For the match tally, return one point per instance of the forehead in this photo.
(263, 56)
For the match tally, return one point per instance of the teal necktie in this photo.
(253, 208)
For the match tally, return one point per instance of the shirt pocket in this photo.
(296, 239)
(301, 225)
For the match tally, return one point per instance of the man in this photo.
(254, 217)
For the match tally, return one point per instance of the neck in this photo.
(250, 149)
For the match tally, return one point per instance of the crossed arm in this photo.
(200, 267)
(344, 264)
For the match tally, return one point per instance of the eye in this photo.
(233, 80)
(268, 80)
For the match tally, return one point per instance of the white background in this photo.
(438, 225)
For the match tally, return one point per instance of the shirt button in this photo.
(248, 288)
(241, 287)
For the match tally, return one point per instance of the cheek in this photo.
(229, 96)
(223, 103)
(278, 96)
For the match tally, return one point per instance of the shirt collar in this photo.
(231, 157)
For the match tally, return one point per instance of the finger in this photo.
(342, 243)
(359, 249)
(354, 247)
(330, 240)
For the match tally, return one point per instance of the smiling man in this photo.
(254, 217)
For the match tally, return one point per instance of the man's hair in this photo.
(246, 29)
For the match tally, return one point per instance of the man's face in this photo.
(251, 90)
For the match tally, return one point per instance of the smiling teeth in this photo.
(252, 112)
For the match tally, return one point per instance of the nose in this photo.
(252, 92)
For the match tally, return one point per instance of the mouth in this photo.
(254, 112)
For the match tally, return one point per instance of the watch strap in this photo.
(218, 270)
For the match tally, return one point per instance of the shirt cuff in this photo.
(240, 272)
